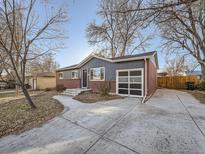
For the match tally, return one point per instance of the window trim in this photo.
(95, 79)
(61, 78)
(75, 71)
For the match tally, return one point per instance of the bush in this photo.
(104, 88)
(60, 88)
(28, 86)
(201, 86)
(49, 89)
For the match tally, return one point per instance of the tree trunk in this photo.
(28, 98)
(202, 71)
(17, 90)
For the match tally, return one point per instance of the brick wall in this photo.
(94, 85)
(152, 78)
(68, 83)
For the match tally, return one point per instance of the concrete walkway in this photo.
(170, 122)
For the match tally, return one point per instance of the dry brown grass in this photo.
(13, 97)
(94, 97)
(199, 95)
(16, 116)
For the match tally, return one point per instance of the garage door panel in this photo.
(123, 85)
(135, 73)
(135, 92)
(130, 82)
(135, 79)
(123, 73)
(123, 91)
(123, 79)
(136, 86)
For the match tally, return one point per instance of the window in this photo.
(97, 74)
(61, 75)
(74, 74)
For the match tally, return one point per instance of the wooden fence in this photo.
(176, 82)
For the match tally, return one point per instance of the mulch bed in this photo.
(16, 116)
(95, 97)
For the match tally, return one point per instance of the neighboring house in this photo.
(3, 85)
(9, 85)
(42, 81)
(161, 73)
(196, 73)
(133, 75)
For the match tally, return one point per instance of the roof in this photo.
(136, 55)
(46, 74)
(68, 67)
(193, 73)
(115, 60)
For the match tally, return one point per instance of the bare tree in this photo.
(45, 63)
(183, 29)
(181, 24)
(119, 33)
(25, 36)
(176, 65)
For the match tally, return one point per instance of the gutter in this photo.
(145, 82)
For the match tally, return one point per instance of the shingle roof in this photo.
(136, 55)
(68, 67)
(46, 74)
(141, 55)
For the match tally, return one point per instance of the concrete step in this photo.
(74, 92)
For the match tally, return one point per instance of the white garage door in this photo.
(130, 82)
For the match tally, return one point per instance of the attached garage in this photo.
(129, 82)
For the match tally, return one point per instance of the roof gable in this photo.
(115, 60)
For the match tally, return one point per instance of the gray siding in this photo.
(67, 74)
(110, 68)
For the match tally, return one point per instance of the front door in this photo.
(85, 79)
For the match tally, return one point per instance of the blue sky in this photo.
(81, 13)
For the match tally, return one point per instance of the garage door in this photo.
(130, 82)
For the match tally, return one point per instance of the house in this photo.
(161, 73)
(7, 85)
(195, 73)
(42, 81)
(132, 75)
(3, 85)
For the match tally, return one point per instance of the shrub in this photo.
(104, 88)
(60, 87)
(49, 89)
(28, 86)
(201, 86)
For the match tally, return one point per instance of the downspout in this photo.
(145, 80)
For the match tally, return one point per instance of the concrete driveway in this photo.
(170, 122)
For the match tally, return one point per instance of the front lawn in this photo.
(95, 97)
(12, 93)
(16, 115)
